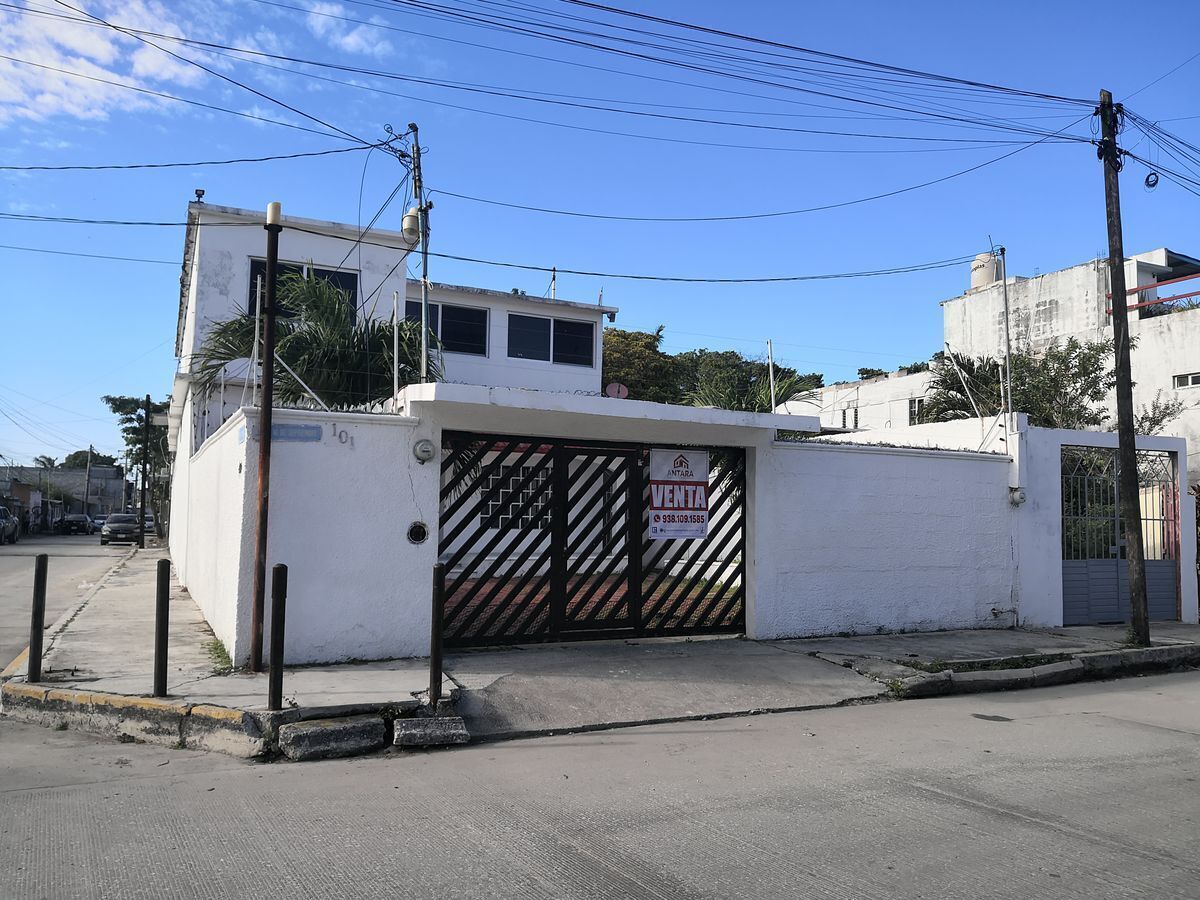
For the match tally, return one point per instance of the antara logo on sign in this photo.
(678, 494)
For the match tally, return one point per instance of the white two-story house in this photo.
(488, 337)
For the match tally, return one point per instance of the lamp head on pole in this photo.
(410, 226)
(273, 213)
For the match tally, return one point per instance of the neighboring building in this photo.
(494, 338)
(105, 488)
(1059, 305)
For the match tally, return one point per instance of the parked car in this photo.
(76, 523)
(98, 521)
(120, 527)
(10, 528)
(149, 523)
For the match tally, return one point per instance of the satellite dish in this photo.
(616, 391)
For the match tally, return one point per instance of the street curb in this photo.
(151, 720)
(1083, 667)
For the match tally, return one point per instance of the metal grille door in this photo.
(1095, 574)
(546, 539)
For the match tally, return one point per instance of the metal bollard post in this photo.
(435, 636)
(161, 626)
(279, 579)
(37, 621)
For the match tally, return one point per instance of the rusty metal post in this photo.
(37, 621)
(161, 626)
(279, 584)
(435, 635)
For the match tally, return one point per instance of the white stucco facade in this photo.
(1070, 303)
(839, 537)
(223, 254)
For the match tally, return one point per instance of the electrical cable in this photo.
(164, 262)
(165, 96)
(216, 74)
(180, 165)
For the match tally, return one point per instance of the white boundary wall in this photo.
(865, 539)
(840, 537)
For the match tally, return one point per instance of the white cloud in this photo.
(38, 92)
(346, 36)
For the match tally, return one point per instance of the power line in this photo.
(215, 73)
(747, 216)
(162, 262)
(938, 264)
(165, 96)
(180, 165)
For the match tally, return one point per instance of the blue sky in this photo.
(77, 328)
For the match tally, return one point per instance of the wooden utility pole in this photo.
(1127, 483)
(273, 227)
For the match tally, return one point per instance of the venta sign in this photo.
(678, 494)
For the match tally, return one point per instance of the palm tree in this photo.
(947, 398)
(725, 393)
(346, 360)
(45, 462)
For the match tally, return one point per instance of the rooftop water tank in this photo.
(983, 270)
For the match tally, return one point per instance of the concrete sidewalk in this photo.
(98, 673)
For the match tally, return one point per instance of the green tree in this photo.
(1153, 417)
(131, 416)
(735, 380)
(345, 359)
(1065, 386)
(45, 462)
(914, 367)
(865, 373)
(79, 460)
(636, 360)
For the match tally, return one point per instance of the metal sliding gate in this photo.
(1095, 573)
(547, 540)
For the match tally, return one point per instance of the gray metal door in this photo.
(1095, 574)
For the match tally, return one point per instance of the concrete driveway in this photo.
(599, 684)
(77, 562)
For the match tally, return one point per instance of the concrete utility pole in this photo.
(145, 471)
(273, 227)
(423, 215)
(1127, 485)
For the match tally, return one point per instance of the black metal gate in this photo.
(546, 540)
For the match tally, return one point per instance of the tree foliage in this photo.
(79, 460)
(45, 462)
(1154, 416)
(1065, 386)
(345, 359)
(721, 378)
(636, 360)
(866, 372)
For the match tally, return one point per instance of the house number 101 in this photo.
(343, 436)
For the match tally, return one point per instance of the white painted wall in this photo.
(973, 435)
(212, 525)
(881, 403)
(860, 539)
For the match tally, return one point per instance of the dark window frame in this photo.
(549, 323)
(487, 328)
(284, 267)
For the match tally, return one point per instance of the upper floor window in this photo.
(566, 341)
(461, 329)
(916, 407)
(341, 279)
(1192, 379)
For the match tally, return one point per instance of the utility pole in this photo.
(771, 373)
(87, 485)
(1127, 485)
(423, 216)
(145, 471)
(1010, 426)
(273, 227)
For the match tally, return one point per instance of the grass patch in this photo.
(222, 664)
(986, 665)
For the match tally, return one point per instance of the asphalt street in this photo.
(1088, 790)
(76, 563)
